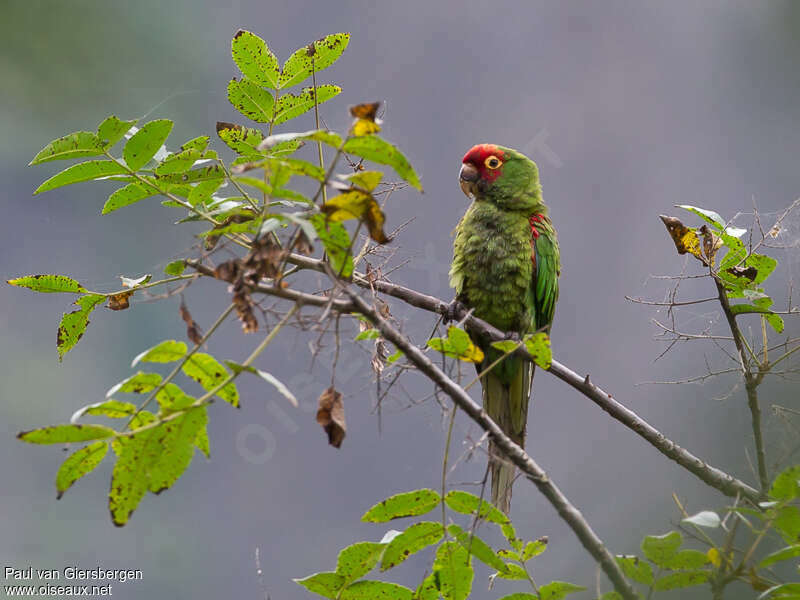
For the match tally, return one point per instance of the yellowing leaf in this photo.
(356, 204)
(684, 238)
(364, 127)
(714, 556)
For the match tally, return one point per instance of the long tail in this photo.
(507, 405)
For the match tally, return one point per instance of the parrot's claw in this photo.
(453, 310)
(513, 336)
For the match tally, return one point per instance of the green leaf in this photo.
(175, 439)
(176, 267)
(680, 579)
(290, 105)
(131, 193)
(614, 595)
(457, 345)
(534, 548)
(85, 171)
(505, 345)
(467, 504)
(785, 591)
(408, 504)
(210, 173)
(509, 554)
(477, 547)
(368, 334)
(709, 216)
(787, 523)
(512, 572)
(74, 145)
(786, 485)
(452, 566)
(48, 284)
(172, 398)
(67, 433)
(336, 240)
(254, 59)
(206, 370)
(775, 321)
(376, 149)
(139, 383)
(73, 324)
(113, 130)
(780, 555)
(325, 584)
(636, 569)
(555, 590)
(357, 560)
(78, 464)
(764, 266)
(427, 589)
(415, 538)
(151, 459)
(113, 409)
(395, 357)
(166, 351)
(315, 57)
(687, 559)
(252, 101)
(366, 180)
(659, 549)
(144, 144)
(199, 143)
(538, 346)
(317, 135)
(376, 590)
(180, 162)
(705, 518)
(241, 139)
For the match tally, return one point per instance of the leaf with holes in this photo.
(206, 370)
(243, 140)
(73, 324)
(376, 590)
(407, 504)
(48, 284)
(538, 346)
(635, 568)
(293, 105)
(252, 101)
(315, 57)
(254, 59)
(681, 579)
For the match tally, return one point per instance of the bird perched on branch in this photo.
(506, 268)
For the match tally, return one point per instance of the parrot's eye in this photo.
(493, 162)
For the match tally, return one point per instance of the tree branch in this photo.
(515, 454)
(716, 478)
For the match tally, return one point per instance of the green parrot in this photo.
(505, 267)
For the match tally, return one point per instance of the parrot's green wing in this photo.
(546, 270)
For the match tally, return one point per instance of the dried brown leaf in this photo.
(330, 415)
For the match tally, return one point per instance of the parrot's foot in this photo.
(453, 310)
(513, 336)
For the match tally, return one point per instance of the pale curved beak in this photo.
(468, 177)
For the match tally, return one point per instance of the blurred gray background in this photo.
(629, 108)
